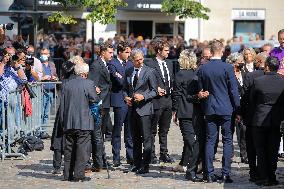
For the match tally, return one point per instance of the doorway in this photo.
(141, 28)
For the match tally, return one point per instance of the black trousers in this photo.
(141, 129)
(106, 123)
(251, 153)
(76, 153)
(57, 159)
(266, 142)
(161, 117)
(97, 147)
(190, 139)
(241, 137)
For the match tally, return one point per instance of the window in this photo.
(164, 29)
(181, 29)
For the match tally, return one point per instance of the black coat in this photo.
(267, 99)
(185, 93)
(101, 77)
(159, 101)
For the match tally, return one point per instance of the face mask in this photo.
(44, 58)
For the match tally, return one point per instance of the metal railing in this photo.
(16, 125)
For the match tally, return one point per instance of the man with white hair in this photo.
(78, 93)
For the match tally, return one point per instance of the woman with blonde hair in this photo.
(185, 95)
(249, 58)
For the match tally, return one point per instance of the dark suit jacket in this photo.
(146, 85)
(116, 95)
(185, 93)
(246, 108)
(219, 79)
(267, 98)
(76, 95)
(159, 101)
(100, 75)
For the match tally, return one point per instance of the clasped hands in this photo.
(203, 94)
(137, 98)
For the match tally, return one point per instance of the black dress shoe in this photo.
(84, 179)
(142, 171)
(134, 169)
(154, 160)
(225, 179)
(273, 182)
(193, 177)
(130, 161)
(116, 163)
(166, 158)
(253, 179)
(211, 179)
(244, 160)
(56, 172)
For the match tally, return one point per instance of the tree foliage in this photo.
(103, 11)
(185, 9)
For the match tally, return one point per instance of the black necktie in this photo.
(124, 63)
(166, 75)
(135, 78)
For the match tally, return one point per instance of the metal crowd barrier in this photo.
(15, 125)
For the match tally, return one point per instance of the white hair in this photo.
(76, 59)
(82, 68)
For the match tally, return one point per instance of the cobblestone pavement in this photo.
(35, 172)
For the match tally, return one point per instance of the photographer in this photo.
(27, 65)
(37, 66)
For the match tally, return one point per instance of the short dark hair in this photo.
(160, 44)
(272, 63)
(121, 46)
(280, 32)
(216, 46)
(105, 46)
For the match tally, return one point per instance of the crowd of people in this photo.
(213, 87)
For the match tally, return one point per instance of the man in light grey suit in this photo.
(75, 115)
(140, 88)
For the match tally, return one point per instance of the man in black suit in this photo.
(140, 88)
(247, 114)
(267, 100)
(100, 75)
(163, 102)
(219, 80)
(77, 121)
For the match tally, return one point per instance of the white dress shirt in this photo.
(161, 62)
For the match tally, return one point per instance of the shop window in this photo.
(164, 29)
(122, 28)
(181, 29)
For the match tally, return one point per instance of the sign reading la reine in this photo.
(248, 14)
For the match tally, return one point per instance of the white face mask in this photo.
(43, 57)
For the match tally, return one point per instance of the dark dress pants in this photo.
(57, 158)
(161, 117)
(97, 147)
(190, 138)
(266, 142)
(106, 123)
(76, 153)
(141, 129)
(213, 123)
(121, 119)
(251, 153)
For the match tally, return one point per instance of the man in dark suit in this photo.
(117, 69)
(267, 100)
(247, 114)
(163, 102)
(77, 121)
(100, 75)
(219, 80)
(140, 88)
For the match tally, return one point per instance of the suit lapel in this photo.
(140, 77)
(104, 69)
(157, 67)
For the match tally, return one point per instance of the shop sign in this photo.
(248, 14)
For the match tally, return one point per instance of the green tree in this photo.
(103, 11)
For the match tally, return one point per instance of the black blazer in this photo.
(76, 95)
(267, 98)
(101, 77)
(146, 85)
(246, 110)
(185, 93)
(159, 101)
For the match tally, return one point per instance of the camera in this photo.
(29, 60)
(8, 26)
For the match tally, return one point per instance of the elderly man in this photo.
(77, 94)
